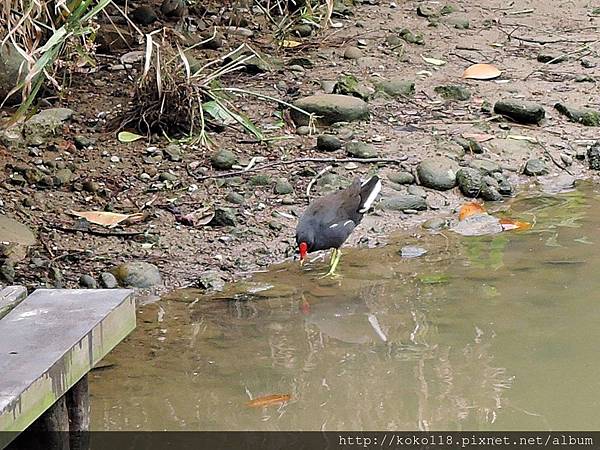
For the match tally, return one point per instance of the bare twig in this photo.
(94, 232)
(315, 178)
(302, 160)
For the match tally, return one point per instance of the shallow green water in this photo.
(481, 333)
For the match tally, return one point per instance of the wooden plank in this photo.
(50, 341)
(10, 297)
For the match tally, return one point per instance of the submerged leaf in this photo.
(512, 224)
(482, 72)
(470, 209)
(269, 400)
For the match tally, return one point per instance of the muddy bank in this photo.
(432, 127)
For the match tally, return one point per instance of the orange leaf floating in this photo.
(512, 224)
(482, 72)
(269, 400)
(470, 209)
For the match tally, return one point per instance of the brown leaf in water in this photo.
(269, 400)
(512, 224)
(470, 209)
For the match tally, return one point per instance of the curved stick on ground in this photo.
(315, 178)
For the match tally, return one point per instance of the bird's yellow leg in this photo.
(336, 254)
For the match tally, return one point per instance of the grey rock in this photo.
(551, 59)
(34, 175)
(329, 143)
(535, 167)
(137, 274)
(353, 53)
(417, 190)
(173, 152)
(401, 177)
(274, 225)
(504, 186)
(15, 232)
(168, 176)
(453, 92)
(478, 225)
(223, 159)
(585, 116)
(411, 38)
(328, 86)
(412, 251)
(332, 108)
(302, 30)
(82, 141)
(587, 63)
(404, 202)
(490, 193)
(359, 149)
(224, 217)
(144, 15)
(435, 224)
(567, 159)
(460, 23)
(593, 155)
(87, 282)
(210, 280)
(469, 145)
(350, 85)
(235, 198)
(397, 87)
(438, 173)
(303, 130)
(520, 111)
(7, 272)
(11, 63)
(46, 123)
(260, 180)
(558, 183)
(90, 186)
(63, 177)
(485, 166)
(469, 181)
(108, 280)
(283, 187)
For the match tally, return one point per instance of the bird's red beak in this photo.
(303, 247)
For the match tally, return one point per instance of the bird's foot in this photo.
(331, 274)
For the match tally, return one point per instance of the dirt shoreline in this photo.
(106, 174)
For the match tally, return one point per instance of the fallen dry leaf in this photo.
(470, 209)
(482, 72)
(433, 61)
(108, 219)
(512, 224)
(478, 137)
(269, 400)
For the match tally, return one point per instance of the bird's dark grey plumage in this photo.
(328, 221)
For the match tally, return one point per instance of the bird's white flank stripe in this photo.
(347, 222)
(371, 198)
(334, 225)
(375, 324)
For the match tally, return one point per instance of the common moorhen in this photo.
(329, 220)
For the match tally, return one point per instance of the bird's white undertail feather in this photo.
(375, 325)
(371, 198)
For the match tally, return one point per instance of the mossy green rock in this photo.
(453, 92)
(520, 110)
(223, 159)
(396, 87)
(584, 116)
(361, 150)
(350, 85)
